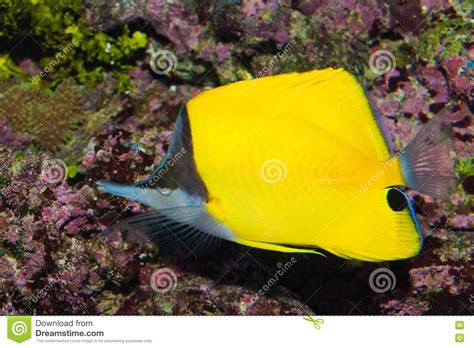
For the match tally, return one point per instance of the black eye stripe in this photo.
(396, 200)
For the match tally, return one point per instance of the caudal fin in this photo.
(426, 162)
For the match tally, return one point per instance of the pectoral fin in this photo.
(174, 227)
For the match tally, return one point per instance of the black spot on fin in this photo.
(397, 201)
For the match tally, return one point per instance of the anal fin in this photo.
(277, 247)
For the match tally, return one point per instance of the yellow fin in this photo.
(331, 100)
(276, 247)
(379, 226)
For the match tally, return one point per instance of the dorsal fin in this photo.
(331, 99)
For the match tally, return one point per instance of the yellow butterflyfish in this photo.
(296, 162)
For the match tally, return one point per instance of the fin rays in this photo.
(173, 226)
(426, 163)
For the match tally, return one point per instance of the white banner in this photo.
(316, 331)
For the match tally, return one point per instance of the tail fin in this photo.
(426, 163)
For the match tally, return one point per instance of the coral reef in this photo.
(48, 118)
(69, 46)
(114, 96)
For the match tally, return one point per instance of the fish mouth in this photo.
(130, 191)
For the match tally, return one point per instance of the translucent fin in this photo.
(173, 227)
(426, 163)
(277, 247)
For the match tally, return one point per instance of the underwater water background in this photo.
(90, 90)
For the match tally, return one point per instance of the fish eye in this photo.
(165, 191)
(396, 199)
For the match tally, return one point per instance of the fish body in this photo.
(294, 163)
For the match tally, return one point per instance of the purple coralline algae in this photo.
(61, 248)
